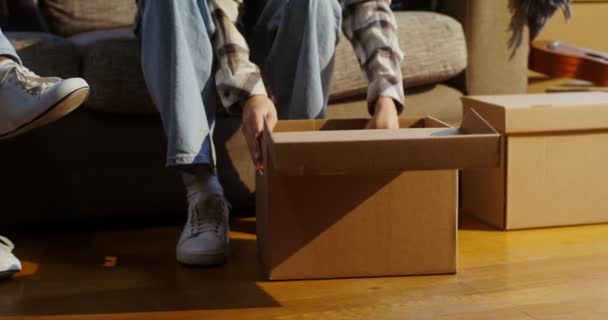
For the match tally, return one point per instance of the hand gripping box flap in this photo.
(299, 147)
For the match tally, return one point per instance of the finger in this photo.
(396, 124)
(252, 148)
(250, 138)
(257, 139)
(271, 118)
(259, 163)
(256, 159)
(253, 131)
(371, 123)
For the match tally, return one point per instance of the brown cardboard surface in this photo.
(545, 112)
(337, 146)
(354, 218)
(482, 194)
(358, 225)
(552, 174)
(557, 179)
(482, 191)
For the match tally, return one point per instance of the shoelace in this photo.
(6, 244)
(212, 216)
(28, 80)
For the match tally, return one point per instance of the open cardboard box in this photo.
(555, 162)
(340, 201)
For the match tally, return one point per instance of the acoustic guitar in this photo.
(561, 60)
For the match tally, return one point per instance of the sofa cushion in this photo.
(434, 48)
(45, 54)
(84, 40)
(113, 69)
(69, 17)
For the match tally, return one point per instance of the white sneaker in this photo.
(206, 235)
(9, 264)
(28, 101)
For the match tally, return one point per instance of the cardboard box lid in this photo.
(549, 112)
(339, 146)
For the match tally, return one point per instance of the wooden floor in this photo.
(131, 274)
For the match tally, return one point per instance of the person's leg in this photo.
(7, 51)
(177, 63)
(294, 41)
(28, 101)
(9, 264)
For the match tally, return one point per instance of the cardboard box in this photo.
(555, 164)
(338, 201)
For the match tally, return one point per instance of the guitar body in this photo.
(562, 60)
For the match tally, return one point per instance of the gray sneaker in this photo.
(206, 235)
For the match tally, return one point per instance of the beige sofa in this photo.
(106, 160)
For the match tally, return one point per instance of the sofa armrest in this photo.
(497, 60)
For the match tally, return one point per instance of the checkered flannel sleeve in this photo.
(371, 27)
(236, 78)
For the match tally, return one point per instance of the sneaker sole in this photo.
(6, 274)
(202, 259)
(68, 104)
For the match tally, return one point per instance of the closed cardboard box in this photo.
(555, 162)
(338, 201)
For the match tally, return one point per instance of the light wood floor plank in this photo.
(559, 273)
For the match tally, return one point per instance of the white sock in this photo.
(201, 181)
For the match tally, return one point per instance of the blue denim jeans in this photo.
(6, 49)
(293, 42)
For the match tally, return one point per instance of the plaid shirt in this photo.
(369, 25)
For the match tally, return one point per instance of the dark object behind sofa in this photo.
(21, 16)
(426, 5)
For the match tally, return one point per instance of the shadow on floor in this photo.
(244, 225)
(467, 222)
(125, 271)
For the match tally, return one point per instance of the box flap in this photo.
(550, 112)
(339, 146)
